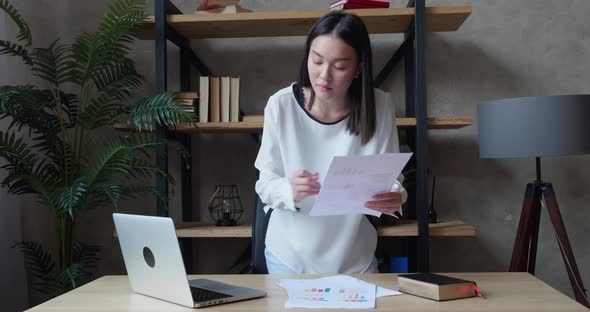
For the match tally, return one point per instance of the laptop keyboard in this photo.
(201, 295)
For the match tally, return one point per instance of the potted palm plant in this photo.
(56, 146)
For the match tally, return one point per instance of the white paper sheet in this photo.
(340, 291)
(352, 180)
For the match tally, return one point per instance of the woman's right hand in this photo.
(304, 184)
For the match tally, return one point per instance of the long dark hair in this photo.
(351, 29)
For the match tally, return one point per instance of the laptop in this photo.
(155, 267)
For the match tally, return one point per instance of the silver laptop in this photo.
(155, 267)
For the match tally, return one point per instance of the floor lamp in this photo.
(537, 127)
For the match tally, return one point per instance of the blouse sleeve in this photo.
(273, 187)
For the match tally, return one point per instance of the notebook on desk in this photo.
(154, 264)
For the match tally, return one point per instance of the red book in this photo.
(363, 3)
(351, 6)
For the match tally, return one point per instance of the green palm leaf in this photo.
(101, 112)
(141, 167)
(71, 195)
(117, 156)
(64, 161)
(29, 107)
(42, 181)
(118, 80)
(86, 256)
(105, 194)
(85, 57)
(51, 64)
(66, 280)
(122, 20)
(24, 33)
(38, 262)
(20, 161)
(108, 45)
(14, 49)
(163, 109)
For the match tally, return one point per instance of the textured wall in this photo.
(504, 49)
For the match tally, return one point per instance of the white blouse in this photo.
(293, 139)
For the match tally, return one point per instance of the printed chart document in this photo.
(352, 180)
(340, 291)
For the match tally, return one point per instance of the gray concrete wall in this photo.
(504, 49)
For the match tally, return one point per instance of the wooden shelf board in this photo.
(404, 228)
(298, 23)
(255, 127)
(437, 122)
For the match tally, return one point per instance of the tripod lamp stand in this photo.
(537, 127)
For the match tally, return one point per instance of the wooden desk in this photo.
(505, 292)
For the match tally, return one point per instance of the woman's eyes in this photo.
(338, 67)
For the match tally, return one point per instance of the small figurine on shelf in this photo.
(225, 205)
(220, 6)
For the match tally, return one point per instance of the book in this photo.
(215, 99)
(222, 2)
(253, 118)
(351, 6)
(436, 287)
(224, 9)
(364, 3)
(234, 100)
(204, 99)
(187, 99)
(225, 99)
(214, 4)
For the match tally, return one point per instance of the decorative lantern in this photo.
(225, 205)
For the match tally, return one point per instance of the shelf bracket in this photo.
(171, 8)
(184, 44)
(393, 61)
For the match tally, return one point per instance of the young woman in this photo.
(332, 110)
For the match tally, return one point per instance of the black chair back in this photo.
(259, 226)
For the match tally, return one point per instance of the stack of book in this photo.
(219, 99)
(188, 99)
(221, 6)
(358, 4)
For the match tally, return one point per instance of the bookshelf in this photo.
(298, 23)
(405, 228)
(168, 23)
(256, 126)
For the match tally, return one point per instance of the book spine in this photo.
(203, 99)
(234, 103)
(225, 98)
(214, 99)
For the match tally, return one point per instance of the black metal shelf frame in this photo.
(412, 51)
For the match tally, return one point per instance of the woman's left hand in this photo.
(387, 203)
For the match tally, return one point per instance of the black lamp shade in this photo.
(534, 126)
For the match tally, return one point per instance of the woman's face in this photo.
(332, 65)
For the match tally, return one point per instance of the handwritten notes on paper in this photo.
(352, 180)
